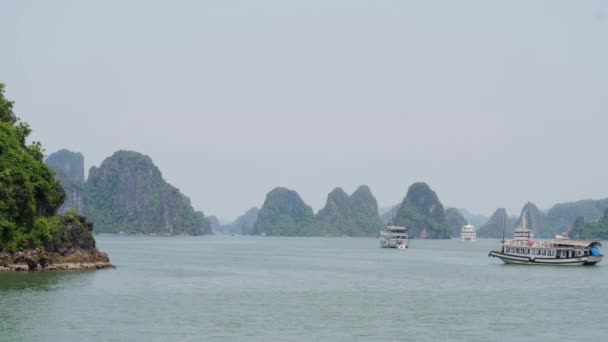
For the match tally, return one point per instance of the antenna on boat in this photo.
(525, 214)
(504, 224)
(393, 215)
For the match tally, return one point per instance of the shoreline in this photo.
(40, 260)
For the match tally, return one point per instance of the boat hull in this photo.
(523, 260)
(403, 243)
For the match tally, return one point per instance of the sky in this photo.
(493, 103)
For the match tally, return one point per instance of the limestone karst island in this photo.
(33, 236)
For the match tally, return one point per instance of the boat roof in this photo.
(578, 243)
(394, 227)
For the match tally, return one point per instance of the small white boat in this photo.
(468, 233)
(394, 237)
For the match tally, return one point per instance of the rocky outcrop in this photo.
(455, 220)
(535, 220)
(127, 193)
(423, 214)
(39, 260)
(562, 215)
(69, 171)
(494, 227)
(344, 215)
(284, 213)
(32, 235)
(70, 247)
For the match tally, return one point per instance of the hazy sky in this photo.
(493, 103)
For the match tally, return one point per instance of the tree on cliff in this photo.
(6, 108)
(29, 193)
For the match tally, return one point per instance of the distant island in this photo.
(586, 219)
(126, 194)
(285, 213)
(32, 235)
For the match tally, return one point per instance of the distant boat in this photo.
(394, 237)
(561, 251)
(468, 233)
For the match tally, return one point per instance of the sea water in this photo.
(234, 288)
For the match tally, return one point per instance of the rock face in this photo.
(284, 213)
(70, 163)
(455, 220)
(534, 220)
(344, 215)
(562, 215)
(423, 214)
(493, 228)
(127, 193)
(69, 170)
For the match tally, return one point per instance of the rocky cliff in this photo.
(423, 214)
(69, 171)
(494, 227)
(455, 220)
(344, 215)
(284, 213)
(127, 193)
(245, 223)
(534, 220)
(32, 235)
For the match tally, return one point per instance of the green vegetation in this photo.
(343, 215)
(423, 214)
(562, 215)
(284, 213)
(595, 230)
(29, 193)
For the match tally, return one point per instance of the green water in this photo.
(304, 289)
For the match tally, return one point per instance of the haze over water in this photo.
(222, 288)
(493, 103)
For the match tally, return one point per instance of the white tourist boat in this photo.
(562, 251)
(468, 233)
(394, 237)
